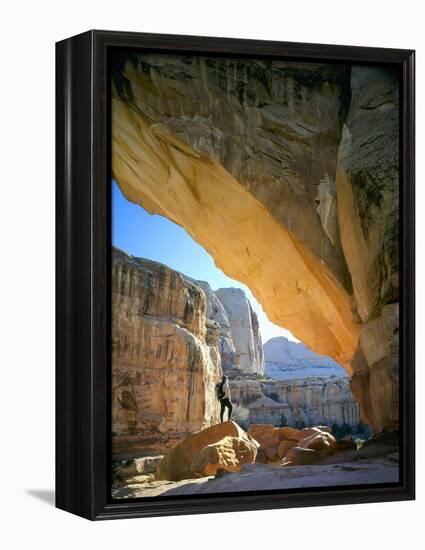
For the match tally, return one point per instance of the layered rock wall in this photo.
(309, 402)
(216, 312)
(285, 360)
(165, 357)
(244, 329)
(239, 343)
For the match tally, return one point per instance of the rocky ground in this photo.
(254, 477)
(285, 458)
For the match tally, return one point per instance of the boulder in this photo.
(137, 466)
(271, 454)
(228, 454)
(276, 442)
(324, 429)
(179, 462)
(290, 433)
(298, 456)
(270, 436)
(147, 464)
(307, 432)
(137, 480)
(267, 436)
(261, 457)
(260, 432)
(321, 441)
(284, 447)
(273, 441)
(345, 445)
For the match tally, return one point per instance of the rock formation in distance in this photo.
(216, 312)
(240, 342)
(308, 402)
(244, 329)
(293, 360)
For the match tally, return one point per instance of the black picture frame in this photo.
(82, 275)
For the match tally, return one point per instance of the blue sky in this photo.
(156, 238)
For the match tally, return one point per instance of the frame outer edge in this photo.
(408, 263)
(74, 417)
(82, 272)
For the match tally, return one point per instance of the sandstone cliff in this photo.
(367, 182)
(310, 402)
(165, 358)
(239, 342)
(287, 174)
(244, 329)
(293, 360)
(216, 312)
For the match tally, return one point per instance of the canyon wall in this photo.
(309, 402)
(239, 342)
(170, 336)
(216, 312)
(287, 174)
(285, 359)
(244, 329)
(367, 184)
(165, 357)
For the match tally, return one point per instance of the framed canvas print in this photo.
(235, 275)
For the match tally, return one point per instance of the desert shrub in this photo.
(265, 377)
(359, 442)
(362, 430)
(339, 431)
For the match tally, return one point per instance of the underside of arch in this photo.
(167, 177)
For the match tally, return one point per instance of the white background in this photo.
(28, 33)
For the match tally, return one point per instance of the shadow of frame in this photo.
(45, 495)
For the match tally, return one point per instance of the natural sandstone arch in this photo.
(167, 177)
(287, 174)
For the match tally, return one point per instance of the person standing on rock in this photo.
(223, 394)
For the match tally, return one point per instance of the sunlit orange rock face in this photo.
(165, 358)
(224, 446)
(287, 174)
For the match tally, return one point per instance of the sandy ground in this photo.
(268, 477)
